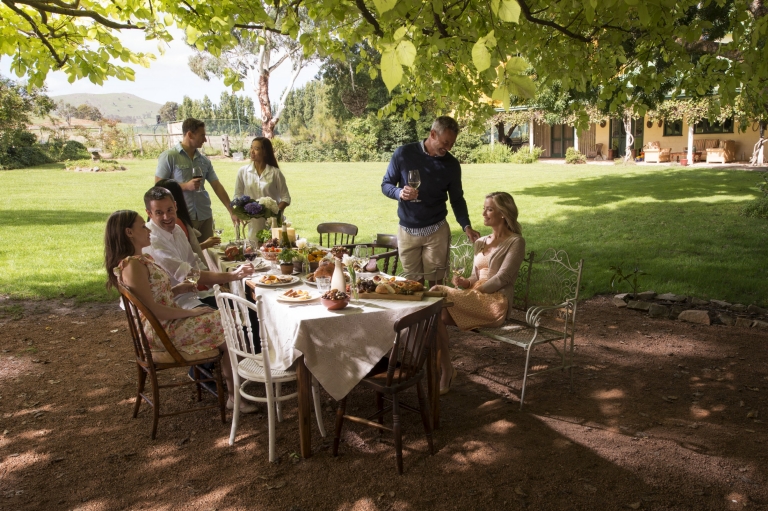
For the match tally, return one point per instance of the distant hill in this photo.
(122, 106)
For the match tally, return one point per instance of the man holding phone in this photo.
(187, 165)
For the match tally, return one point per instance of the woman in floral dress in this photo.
(190, 330)
(488, 292)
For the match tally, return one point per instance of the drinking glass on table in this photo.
(363, 254)
(414, 181)
(192, 277)
(323, 284)
(217, 232)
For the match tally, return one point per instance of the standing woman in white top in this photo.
(262, 178)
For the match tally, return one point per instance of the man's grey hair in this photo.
(443, 123)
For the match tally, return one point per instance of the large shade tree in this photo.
(457, 51)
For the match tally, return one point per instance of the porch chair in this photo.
(725, 153)
(249, 365)
(654, 153)
(553, 286)
(336, 233)
(414, 338)
(150, 363)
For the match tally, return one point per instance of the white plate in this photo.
(312, 297)
(309, 282)
(287, 280)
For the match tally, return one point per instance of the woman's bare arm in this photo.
(136, 276)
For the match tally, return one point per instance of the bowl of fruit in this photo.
(334, 300)
(270, 249)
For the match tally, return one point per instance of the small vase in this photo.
(353, 285)
(337, 280)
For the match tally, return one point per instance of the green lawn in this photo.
(680, 225)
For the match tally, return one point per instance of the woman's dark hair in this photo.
(117, 245)
(269, 151)
(178, 195)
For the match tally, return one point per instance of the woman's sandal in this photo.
(447, 389)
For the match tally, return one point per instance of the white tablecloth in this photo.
(339, 347)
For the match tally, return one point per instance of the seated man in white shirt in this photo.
(171, 250)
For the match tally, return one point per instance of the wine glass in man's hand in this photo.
(414, 181)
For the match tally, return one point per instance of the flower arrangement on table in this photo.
(246, 208)
(351, 262)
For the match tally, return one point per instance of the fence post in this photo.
(141, 146)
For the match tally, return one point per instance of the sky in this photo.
(168, 78)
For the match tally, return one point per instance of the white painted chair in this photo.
(247, 365)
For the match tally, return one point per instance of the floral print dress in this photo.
(472, 308)
(190, 335)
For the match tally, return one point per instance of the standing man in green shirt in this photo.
(187, 165)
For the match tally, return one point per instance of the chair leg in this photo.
(235, 410)
(340, 411)
(196, 374)
(220, 392)
(271, 420)
(142, 382)
(424, 409)
(155, 402)
(278, 403)
(525, 375)
(318, 407)
(397, 430)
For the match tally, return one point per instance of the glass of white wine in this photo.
(414, 181)
(192, 277)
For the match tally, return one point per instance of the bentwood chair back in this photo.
(149, 363)
(250, 365)
(414, 338)
(336, 233)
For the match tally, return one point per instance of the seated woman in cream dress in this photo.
(262, 178)
(486, 296)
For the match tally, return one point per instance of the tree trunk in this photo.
(757, 151)
(267, 122)
(500, 131)
(630, 137)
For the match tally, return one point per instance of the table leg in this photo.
(304, 388)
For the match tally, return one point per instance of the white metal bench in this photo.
(552, 284)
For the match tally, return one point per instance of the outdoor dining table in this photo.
(338, 348)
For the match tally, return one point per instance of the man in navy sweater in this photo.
(424, 236)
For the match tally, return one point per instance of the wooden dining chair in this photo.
(336, 233)
(414, 338)
(250, 364)
(150, 363)
(387, 257)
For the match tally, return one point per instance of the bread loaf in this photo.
(325, 269)
(385, 289)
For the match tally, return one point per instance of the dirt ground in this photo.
(664, 415)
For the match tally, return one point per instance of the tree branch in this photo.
(369, 17)
(710, 47)
(39, 34)
(526, 10)
(439, 25)
(77, 13)
(248, 26)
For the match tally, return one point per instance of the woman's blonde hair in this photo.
(506, 205)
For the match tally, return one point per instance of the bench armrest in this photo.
(533, 315)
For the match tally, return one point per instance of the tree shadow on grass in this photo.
(699, 248)
(47, 217)
(663, 185)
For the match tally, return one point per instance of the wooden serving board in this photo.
(415, 297)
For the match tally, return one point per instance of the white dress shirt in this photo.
(271, 183)
(173, 253)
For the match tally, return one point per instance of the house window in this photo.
(704, 126)
(673, 128)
